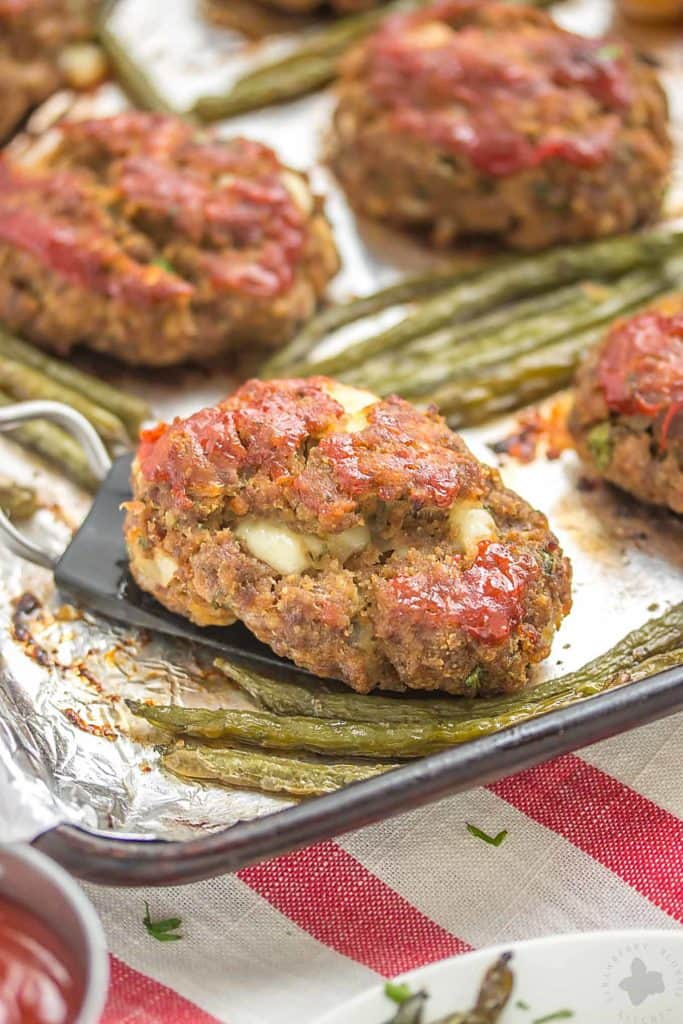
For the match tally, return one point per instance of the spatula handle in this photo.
(12, 416)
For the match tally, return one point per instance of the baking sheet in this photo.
(68, 749)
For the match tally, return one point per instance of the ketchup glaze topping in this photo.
(502, 86)
(487, 599)
(640, 370)
(121, 193)
(288, 434)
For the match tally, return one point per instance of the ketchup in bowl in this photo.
(38, 976)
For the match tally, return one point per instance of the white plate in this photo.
(626, 977)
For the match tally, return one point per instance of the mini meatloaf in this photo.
(33, 36)
(486, 119)
(627, 418)
(139, 237)
(340, 6)
(357, 536)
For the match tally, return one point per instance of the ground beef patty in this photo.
(627, 418)
(139, 237)
(475, 118)
(357, 536)
(33, 34)
(341, 6)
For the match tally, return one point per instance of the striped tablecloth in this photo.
(594, 841)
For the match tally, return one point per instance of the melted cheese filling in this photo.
(355, 402)
(470, 525)
(157, 571)
(289, 552)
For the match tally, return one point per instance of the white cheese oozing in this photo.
(470, 525)
(157, 571)
(355, 402)
(279, 547)
(299, 190)
(348, 542)
(289, 552)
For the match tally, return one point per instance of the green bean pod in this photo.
(23, 382)
(528, 275)
(248, 769)
(130, 410)
(54, 445)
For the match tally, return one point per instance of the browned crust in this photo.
(154, 278)
(393, 175)
(639, 462)
(345, 618)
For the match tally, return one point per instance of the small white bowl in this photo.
(35, 883)
(627, 977)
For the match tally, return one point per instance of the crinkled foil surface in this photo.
(68, 749)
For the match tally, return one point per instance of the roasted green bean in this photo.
(54, 445)
(391, 372)
(493, 997)
(379, 739)
(526, 276)
(310, 66)
(132, 411)
(248, 769)
(23, 382)
(660, 639)
(404, 292)
(579, 307)
(134, 79)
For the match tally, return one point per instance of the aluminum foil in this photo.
(69, 751)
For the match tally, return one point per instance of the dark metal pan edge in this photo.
(131, 862)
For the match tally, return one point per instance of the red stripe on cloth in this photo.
(133, 998)
(635, 838)
(338, 901)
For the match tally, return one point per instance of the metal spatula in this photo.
(94, 568)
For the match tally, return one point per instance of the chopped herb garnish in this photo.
(159, 261)
(163, 931)
(521, 1005)
(397, 992)
(600, 443)
(612, 51)
(558, 1015)
(472, 681)
(485, 837)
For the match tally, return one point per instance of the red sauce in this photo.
(261, 427)
(227, 198)
(400, 455)
(9, 8)
(641, 368)
(38, 980)
(486, 600)
(88, 258)
(261, 434)
(53, 219)
(499, 91)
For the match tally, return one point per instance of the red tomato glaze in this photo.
(641, 367)
(486, 600)
(500, 94)
(136, 181)
(38, 983)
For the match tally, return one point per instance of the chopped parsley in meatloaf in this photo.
(477, 118)
(357, 536)
(627, 418)
(138, 236)
(33, 35)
